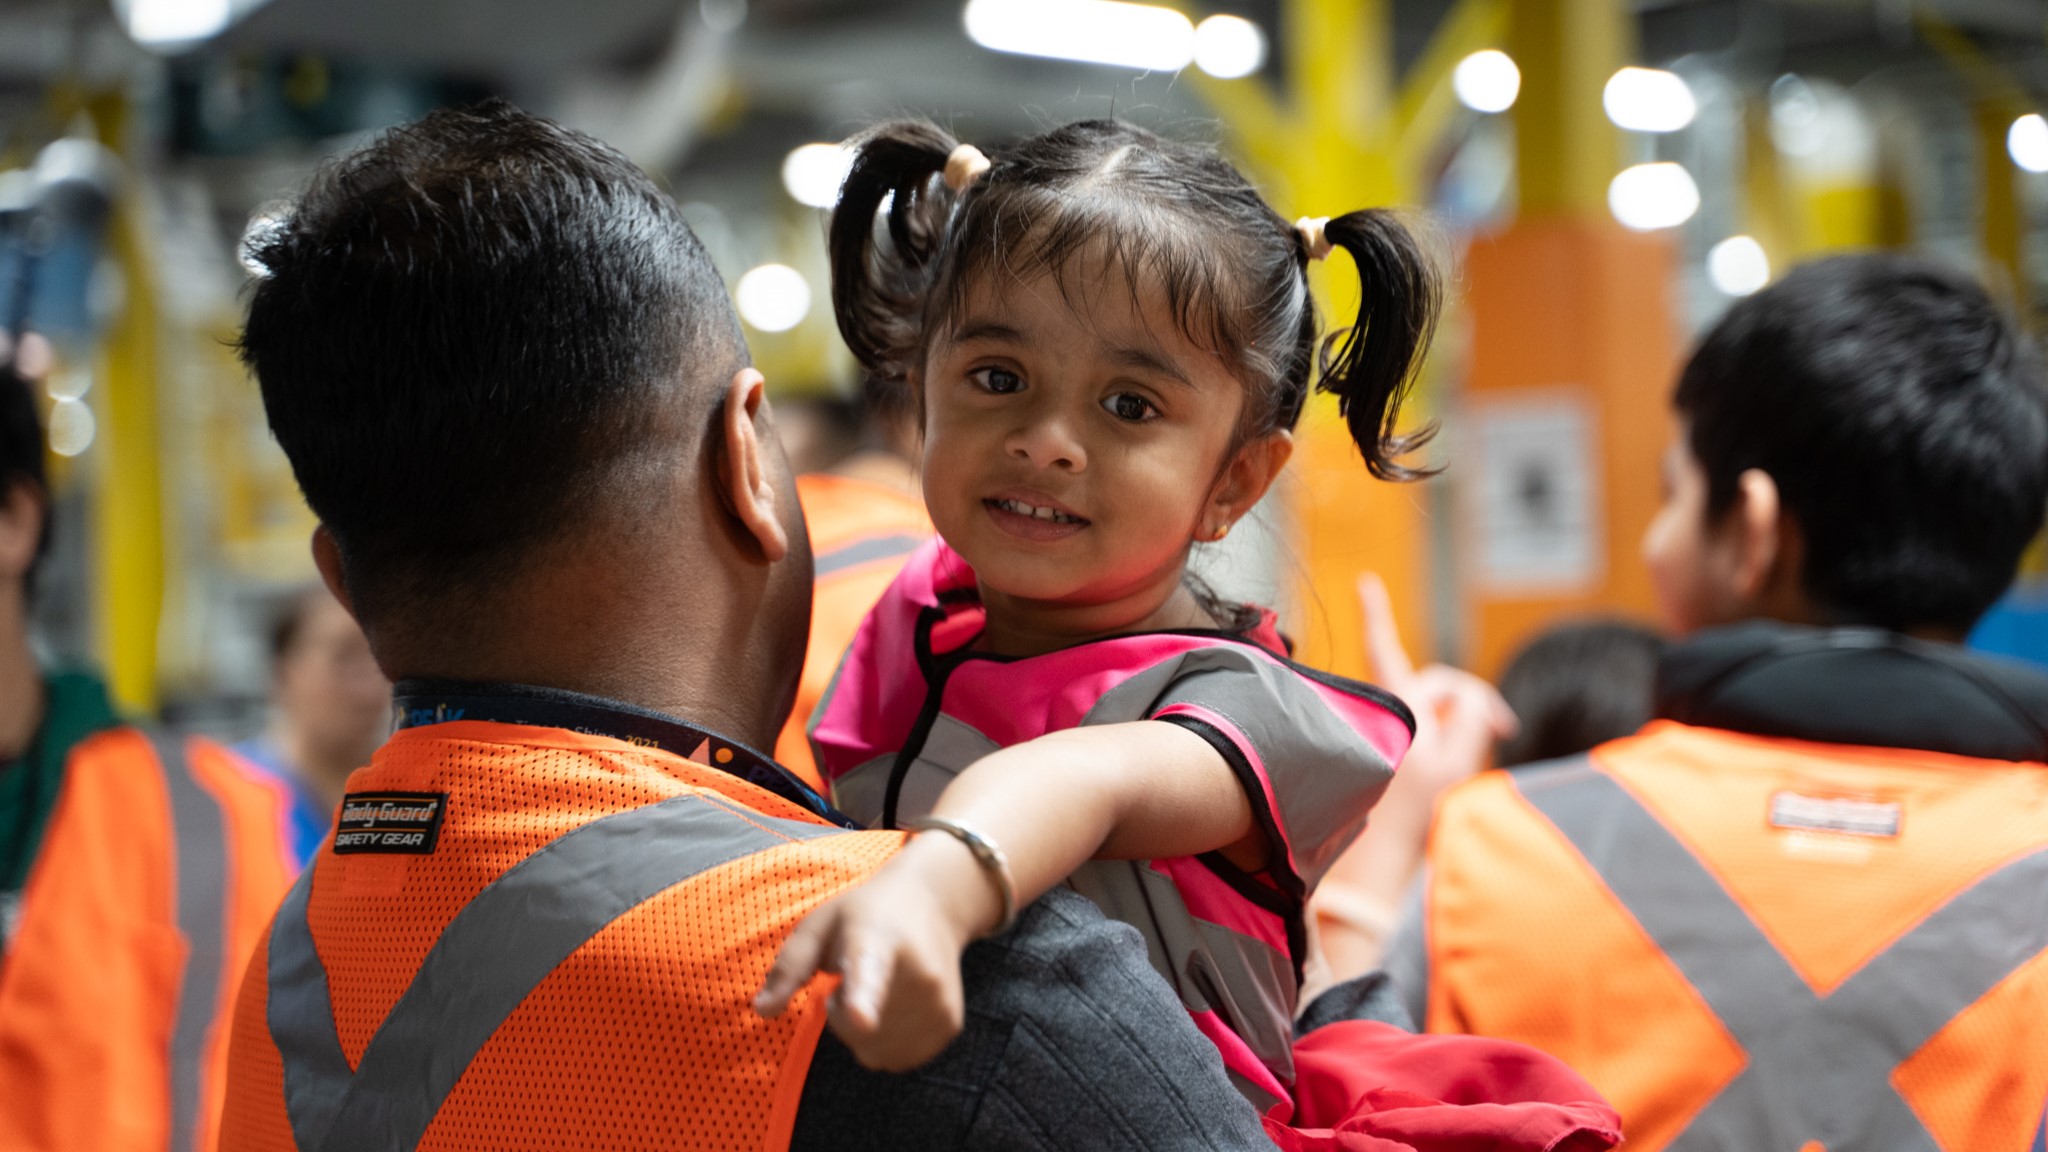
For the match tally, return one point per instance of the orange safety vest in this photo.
(1759, 943)
(562, 952)
(861, 533)
(161, 863)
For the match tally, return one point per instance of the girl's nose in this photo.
(1047, 440)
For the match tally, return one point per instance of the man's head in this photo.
(24, 491)
(504, 369)
(1864, 442)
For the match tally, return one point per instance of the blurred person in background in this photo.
(549, 488)
(137, 869)
(330, 708)
(1577, 685)
(1459, 717)
(866, 515)
(1807, 907)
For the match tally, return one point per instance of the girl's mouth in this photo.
(1036, 511)
(1035, 522)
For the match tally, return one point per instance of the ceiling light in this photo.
(1649, 100)
(814, 172)
(1738, 265)
(71, 427)
(1487, 81)
(2028, 142)
(1228, 47)
(160, 23)
(773, 297)
(1091, 31)
(1651, 196)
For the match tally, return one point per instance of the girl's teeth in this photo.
(1022, 509)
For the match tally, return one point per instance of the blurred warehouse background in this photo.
(1607, 175)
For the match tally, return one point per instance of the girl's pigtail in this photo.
(1371, 366)
(880, 273)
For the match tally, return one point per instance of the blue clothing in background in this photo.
(310, 820)
(2017, 625)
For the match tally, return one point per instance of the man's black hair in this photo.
(474, 334)
(1577, 685)
(21, 451)
(1903, 417)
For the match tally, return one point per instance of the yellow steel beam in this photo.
(1998, 101)
(1566, 150)
(128, 577)
(1426, 105)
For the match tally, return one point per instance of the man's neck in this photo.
(690, 651)
(22, 699)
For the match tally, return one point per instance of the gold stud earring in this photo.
(1219, 532)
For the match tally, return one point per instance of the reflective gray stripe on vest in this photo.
(199, 839)
(494, 952)
(865, 551)
(1819, 1067)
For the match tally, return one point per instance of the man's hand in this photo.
(895, 943)
(1458, 716)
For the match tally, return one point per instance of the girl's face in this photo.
(1074, 448)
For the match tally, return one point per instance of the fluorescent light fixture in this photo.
(1228, 47)
(814, 172)
(1090, 31)
(1487, 81)
(2027, 141)
(773, 297)
(1652, 196)
(1649, 100)
(170, 23)
(1738, 265)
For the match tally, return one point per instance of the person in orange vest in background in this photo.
(512, 388)
(1806, 908)
(866, 515)
(137, 870)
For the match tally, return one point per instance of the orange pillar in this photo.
(1565, 409)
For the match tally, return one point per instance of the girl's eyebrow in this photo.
(987, 330)
(1148, 361)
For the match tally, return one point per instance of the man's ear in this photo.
(1759, 543)
(746, 425)
(22, 512)
(1251, 471)
(327, 558)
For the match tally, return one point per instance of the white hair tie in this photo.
(1310, 228)
(964, 166)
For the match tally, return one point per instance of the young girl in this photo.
(1111, 336)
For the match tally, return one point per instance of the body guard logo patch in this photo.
(384, 822)
(1845, 816)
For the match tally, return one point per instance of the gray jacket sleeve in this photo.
(1072, 1043)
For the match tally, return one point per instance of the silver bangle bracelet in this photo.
(986, 854)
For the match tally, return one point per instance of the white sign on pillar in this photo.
(1531, 469)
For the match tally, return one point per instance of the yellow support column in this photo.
(128, 536)
(2002, 223)
(1343, 136)
(1574, 348)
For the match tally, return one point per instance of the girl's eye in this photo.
(1130, 406)
(1000, 381)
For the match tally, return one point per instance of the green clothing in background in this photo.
(74, 707)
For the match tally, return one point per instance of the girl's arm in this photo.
(1115, 791)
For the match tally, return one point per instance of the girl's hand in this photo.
(895, 943)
